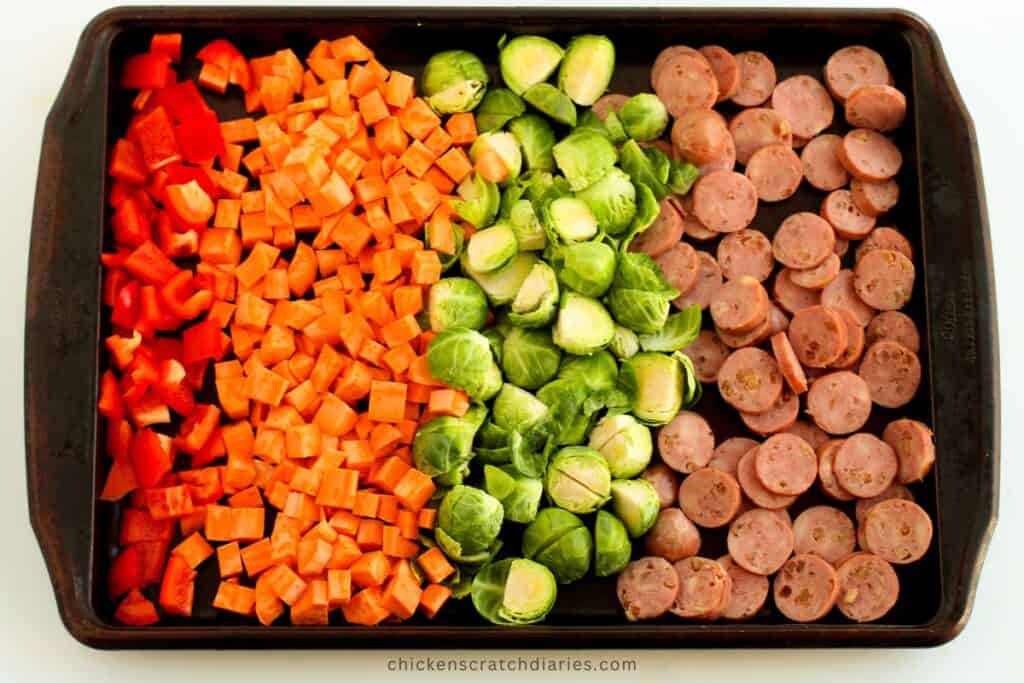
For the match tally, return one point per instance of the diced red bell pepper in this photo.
(149, 264)
(123, 348)
(168, 44)
(199, 137)
(177, 590)
(119, 440)
(130, 223)
(125, 572)
(143, 370)
(151, 460)
(149, 410)
(213, 448)
(174, 243)
(223, 54)
(110, 404)
(195, 373)
(113, 280)
(181, 298)
(126, 163)
(148, 71)
(182, 101)
(172, 388)
(198, 427)
(203, 341)
(180, 174)
(151, 314)
(138, 526)
(154, 133)
(136, 610)
(120, 191)
(126, 306)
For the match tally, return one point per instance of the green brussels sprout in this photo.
(549, 100)
(447, 260)
(590, 121)
(537, 298)
(454, 81)
(612, 548)
(616, 131)
(658, 386)
(499, 106)
(517, 409)
(536, 137)
(596, 372)
(520, 496)
(612, 200)
(445, 444)
(584, 157)
(496, 339)
(559, 541)
(502, 285)
(456, 302)
(588, 267)
(644, 117)
(529, 357)
(636, 503)
(491, 248)
(624, 443)
(639, 297)
(571, 219)
(567, 399)
(583, 325)
(514, 592)
(681, 177)
(494, 444)
(478, 201)
(578, 479)
(468, 522)
(462, 358)
(530, 234)
(587, 68)
(453, 478)
(641, 169)
(625, 343)
(679, 331)
(525, 61)
(505, 146)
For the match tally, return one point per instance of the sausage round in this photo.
(853, 66)
(612, 102)
(670, 52)
(673, 536)
(826, 475)
(804, 102)
(665, 482)
(791, 296)
(707, 353)
(786, 465)
(728, 453)
(724, 201)
(775, 171)
(806, 588)
(824, 531)
(757, 79)
(755, 128)
(803, 240)
(821, 165)
(818, 276)
(746, 474)
(663, 234)
(699, 136)
(810, 433)
(842, 246)
(893, 326)
(869, 155)
(884, 279)
(891, 372)
(760, 541)
(685, 81)
(647, 588)
(864, 505)
(749, 591)
(777, 418)
(686, 443)
(868, 587)
(885, 238)
(840, 293)
(750, 381)
(854, 341)
(709, 279)
(865, 465)
(912, 441)
(739, 305)
(898, 531)
(874, 199)
(878, 107)
(778, 321)
(788, 362)
(818, 335)
(747, 253)
(692, 227)
(710, 497)
(704, 588)
(839, 402)
(841, 212)
(680, 265)
(739, 340)
(726, 68)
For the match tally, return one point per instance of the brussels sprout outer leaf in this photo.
(679, 331)
(499, 106)
(612, 199)
(584, 157)
(640, 168)
(588, 268)
(612, 548)
(537, 138)
(549, 100)
(681, 177)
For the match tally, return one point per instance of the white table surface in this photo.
(982, 40)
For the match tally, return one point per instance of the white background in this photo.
(982, 40)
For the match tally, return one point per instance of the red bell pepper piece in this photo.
(174, 243)
(166, 348)
(149, 264)
(181, 298)
(126, 306)
(179, 174)
(122, 349)
(199, 137)
(203, 341)
(152, 316)
(223, 54)
(110, 405)
(195, 373)
(150, 410)
(136, 610)
(130, 223)
(126, 163)
(125, 572)
(198, 427)
(113, 280)
(119, 440)
(168, 44)
(172, 388)
(120, 191)
(138, 526)
(182, 101)
(143, 371)
(153, 555)
(148, 71)
(177, 590)
(213, 448)
(154, 133)
(151, 460)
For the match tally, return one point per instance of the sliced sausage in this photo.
(665, 482)
(898, 531)
(884, 279)
(818, 335)
(704, 588)
(851, 67)
(864, 505)
(685, 81)
(840, 293)
(673, 536)
(686, 443)
(746, 474)
(912, 441)
(874, 199)
(739, 340)
(869, 155)
(893, 326)
(806, 588)
(878, 107)
(842, 246)
(663, 234)
(726, 161)
(845, 218)
(791, 296)
(786, 465)
(776, 419)
(755, 128)
(739, 305)
(865, 465)
(803, 240)
(839, 402)
(707, 353)
(747, 253)
(728, 453)
(680, 265)
(710, 497)
(612, 102)
(810, 433)
(709, 279)
(854, 341)
(788, 362)
(776, 172)
(824, 531)
(818, 276)
(826, 475)
(891, 372)
(692, 227)
(821, 164)
(757, 79)
(726, 68)
(885, 238)
(760, 541)
(724, 201)
(647, 588)
(699, 136)
(666, 55)
(868, 587)
(749, 380)
(804, 102)
(749, 591)
(799, 142)
(778, 321)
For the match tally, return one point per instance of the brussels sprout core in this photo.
(625, 444)
(587, 68)
(572, 219)
(583, 325)
(635, 502)
(491, 248)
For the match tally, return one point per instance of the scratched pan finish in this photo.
(942, 211)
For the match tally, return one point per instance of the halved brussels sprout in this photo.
(612, 548)
(584, 157)
(456, 302)
(529, 357)
(624, 443)
(502, 285)
(596, 372)
(529, 232)
(578, 479)
(454, 81)
(517, 409)
(444, 445)
(551, 101)
(462, 358)
(636, 503)
(537, 299)
(625, 343)
(583, 325)
(612, 199)
(505, 145)
(655, 384)
(644, 117)
(478, 201)
(514, 592)
(571, 219)
(559, 540)
(588, 267)
(587, 68)
(499, 106)
(468, 523)
(536, 137)
(679, 331)
(527, 60)
(520, 496)
(491, 248)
